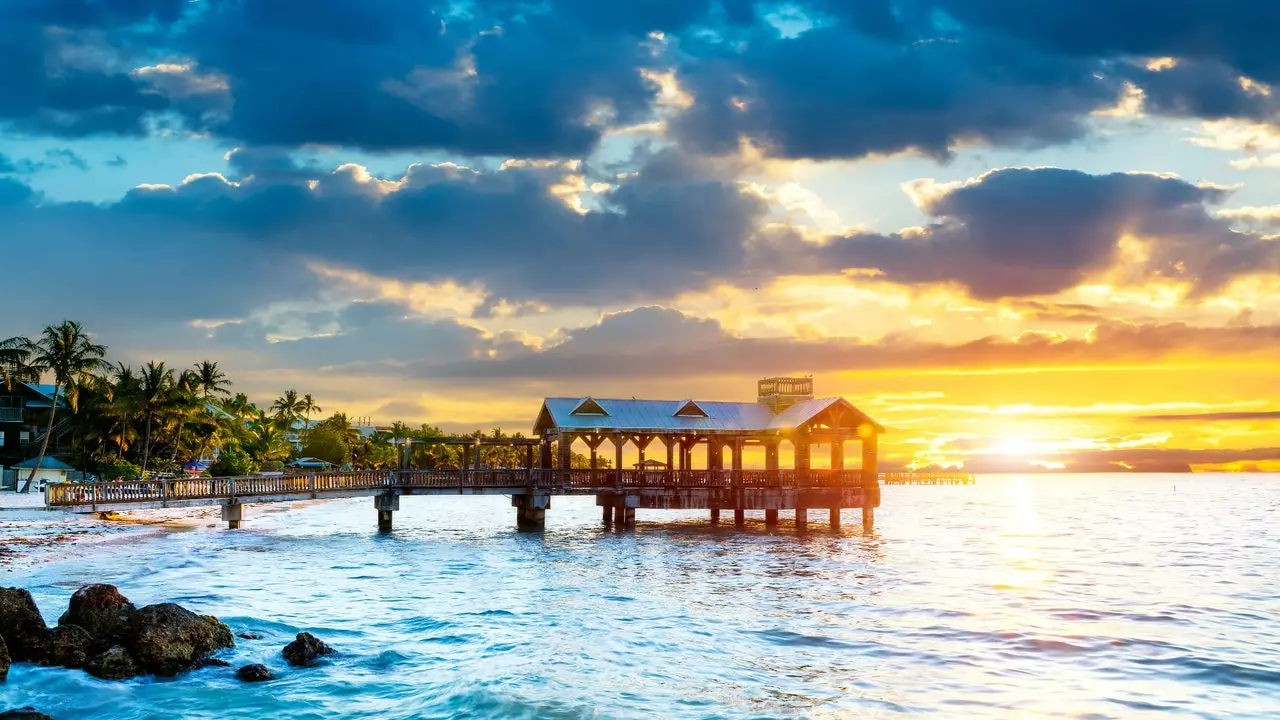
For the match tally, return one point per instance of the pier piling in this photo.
(715, 516)
(739, 517)
(771, 518)
(835, 518)
(802, 519)
(233, 513)
(531, 511)
(386, 504)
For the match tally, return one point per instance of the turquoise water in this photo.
(1023, 597)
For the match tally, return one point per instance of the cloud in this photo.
(1024, 232)
(53, 159)
(1214, 417)
(653, 342)
(552, 79)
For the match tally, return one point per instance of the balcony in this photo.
(10, 414)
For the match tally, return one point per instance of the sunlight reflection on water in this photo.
(1044, 597)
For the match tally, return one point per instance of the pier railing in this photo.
(337, 483)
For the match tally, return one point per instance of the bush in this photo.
(271, 466)
(112, 468)
(233, 462)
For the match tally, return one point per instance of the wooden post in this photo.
(619, 442)
(771, 461)
(608, 514)
(835, 518)
(565, 451)
(739, 517)
(715, 516)
(870, 477)
(771, 518)
(544, 453)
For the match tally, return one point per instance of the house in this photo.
(52, 470)
(24, 416)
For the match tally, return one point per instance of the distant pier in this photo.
(928, 478)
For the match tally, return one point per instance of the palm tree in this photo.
(15, 359)
(308, 406)
(124, 397)
(184, 402)
(66, 352)
(287, 407)
(212, 381)
(156, 381)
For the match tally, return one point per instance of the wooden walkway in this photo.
(619, 494)
(928, 478)
(186, 492)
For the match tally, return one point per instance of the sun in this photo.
(1020, 446)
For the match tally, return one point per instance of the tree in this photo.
(15, 359)
(287, 407)
(185, 402)
(266, 439)
(156, 380)
(308, 406)
(233, 462)
(66, 352)
(327, 443)
(213, 382)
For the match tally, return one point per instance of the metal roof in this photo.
(50, 463)
(660, 415)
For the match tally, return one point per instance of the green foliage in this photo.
(327, 442)
(233, 461)
(112, 468)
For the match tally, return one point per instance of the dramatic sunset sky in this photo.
(1019, 234)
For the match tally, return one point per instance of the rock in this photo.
(102, 611)
(255, 673)
(4, 660)
(213, 662)
(167, 639)
(21, 626)
(305, 650)
(26, 713)
(114, 664)
(249, 635)
(222, 636)
(69, 646)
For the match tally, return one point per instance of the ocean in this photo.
(1053, 596)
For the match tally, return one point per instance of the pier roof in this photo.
(674, 416)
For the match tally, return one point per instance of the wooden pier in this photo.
(928, 478)
(619, 494)
(714, 434)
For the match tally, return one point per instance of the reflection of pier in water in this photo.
(785, 412)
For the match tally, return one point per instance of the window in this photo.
(1, 438)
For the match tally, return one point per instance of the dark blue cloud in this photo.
(511, 78)
(53, 159)
(1028, 232)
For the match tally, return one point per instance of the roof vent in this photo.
(589, 406)
(691, 409)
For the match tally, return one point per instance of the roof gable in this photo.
(589, 406)
(691, 409)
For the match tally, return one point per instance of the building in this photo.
(706, 435)
(52, 470)
(24, 417)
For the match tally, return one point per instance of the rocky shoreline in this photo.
(105, 635)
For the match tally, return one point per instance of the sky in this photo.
(1022, 236)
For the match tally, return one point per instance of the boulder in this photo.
(167, 639)
(255, 673)
(305, 650)
(69, 646)
(102, 611)
(114, 664)
(21, 626)
(26, 713)
(249, 635)
(4, 661)
(222, 637)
